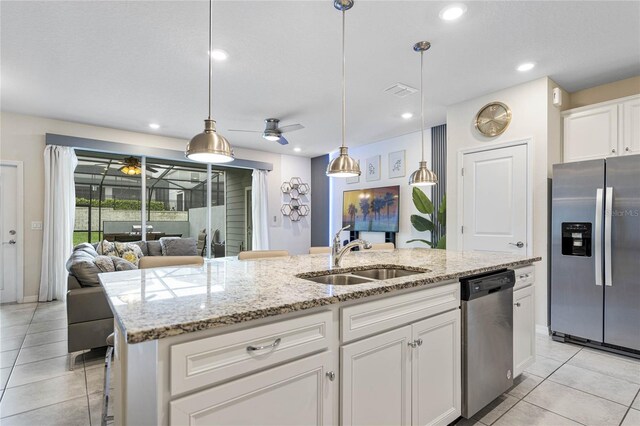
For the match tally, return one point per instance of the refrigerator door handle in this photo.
(598, 237)
(608, 212)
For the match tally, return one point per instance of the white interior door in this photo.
(9, 201)
(495, 194)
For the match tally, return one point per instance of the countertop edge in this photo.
(133, 336)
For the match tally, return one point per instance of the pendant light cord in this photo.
(210, 51)
(344, 90)
(422, 100)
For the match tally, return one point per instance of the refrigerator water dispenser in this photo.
(576, 239)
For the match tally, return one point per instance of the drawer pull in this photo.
(331, 375)
(523, 276)
(517, 304)
(259, 348)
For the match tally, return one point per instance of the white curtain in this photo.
(259, 211)
(59, 216)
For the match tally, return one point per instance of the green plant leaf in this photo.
(442, 243)
(421, 201)
(442, 211)
(418, 240)
(421, 223)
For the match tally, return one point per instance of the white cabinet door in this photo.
(631, 126)
(494, 205)
(524, 334)
(436, 395)
(297, 393)
(376, 380)
(591, 134)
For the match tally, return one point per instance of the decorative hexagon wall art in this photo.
(295, 209)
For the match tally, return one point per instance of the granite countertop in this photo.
(157, 303)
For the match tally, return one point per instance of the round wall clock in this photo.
(493, 119)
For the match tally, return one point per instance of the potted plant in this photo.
(424, 224)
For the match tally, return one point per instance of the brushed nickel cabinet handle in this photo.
(259, 348)
(331, 375)
(517, 304)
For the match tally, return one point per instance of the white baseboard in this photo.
(542, 329)
(29, 299)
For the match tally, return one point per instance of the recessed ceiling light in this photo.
(527, 66)
(407, 115)
(297, 149)
(219, 55)
(452, 12)
(154, 126)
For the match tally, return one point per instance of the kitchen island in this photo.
(257, 342)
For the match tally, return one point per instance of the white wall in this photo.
(411, 144)
(292, 236)
(22, 138)
(534, 117)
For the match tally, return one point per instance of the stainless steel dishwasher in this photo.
(487, 338)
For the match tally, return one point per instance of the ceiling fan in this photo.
(272, 132)
(133, 166)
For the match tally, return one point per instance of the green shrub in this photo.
(120, 204)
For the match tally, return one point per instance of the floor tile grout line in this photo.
(551, 411)
(38, 408)
(626, 413)
(14, 361)
(593, 394)
(532, 389)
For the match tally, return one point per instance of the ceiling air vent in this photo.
(400, 90)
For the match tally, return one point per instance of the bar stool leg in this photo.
(105, 394)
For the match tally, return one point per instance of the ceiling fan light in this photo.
(343, 165)
(271, 136)
(209, 146)
(423, 176)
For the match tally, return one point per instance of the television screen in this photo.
(373, 209)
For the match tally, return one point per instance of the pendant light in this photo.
(423, 176)
(209, 146)
(343, 165)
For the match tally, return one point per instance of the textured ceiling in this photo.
(125, 64)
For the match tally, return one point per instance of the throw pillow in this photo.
(82, 266)
(179, 246)
(122, 264)
(163, 243)
(104, 263)
(129, 251)
(106, 248)
(154, 248)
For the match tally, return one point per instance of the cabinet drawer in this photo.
(524, 277)
(373, 317)
(207, 361)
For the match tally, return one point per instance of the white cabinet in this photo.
(410, 375)
(376, 380)
(265, 398)
(631, 126)
(602, 130)
(524, 339)
(436, 365)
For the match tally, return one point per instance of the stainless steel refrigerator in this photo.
(595, 252)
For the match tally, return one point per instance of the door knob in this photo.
(517, 304)
(12, 232)
(10, 242)
(519, 244)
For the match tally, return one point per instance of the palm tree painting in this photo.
(373, 209)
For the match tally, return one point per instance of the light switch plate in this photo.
(36, 225)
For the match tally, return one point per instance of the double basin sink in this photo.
(363, 276)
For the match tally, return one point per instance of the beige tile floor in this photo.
(568, 384)
(36, 387)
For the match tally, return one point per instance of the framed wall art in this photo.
(372, 168)
(396, 164)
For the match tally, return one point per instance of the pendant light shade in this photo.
(343, 166)
(209, 146)
(423, 176)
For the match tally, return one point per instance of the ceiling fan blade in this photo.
(291, 128)
(152, 170)
(283, 141)
(248, 131)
